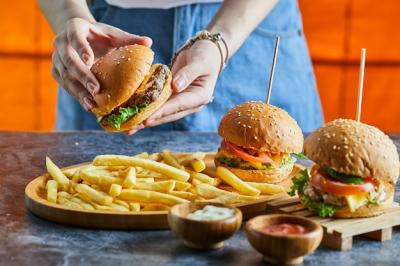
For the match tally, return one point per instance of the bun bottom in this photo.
(369, 210)
(272, 176)
(145, 112)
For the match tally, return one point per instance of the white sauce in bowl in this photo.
(211, 213)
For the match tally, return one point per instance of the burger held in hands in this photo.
(131, 88)
(355, 172)
(258, 141)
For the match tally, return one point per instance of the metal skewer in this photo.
(271, 74)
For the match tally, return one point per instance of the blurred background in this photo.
(336, 30)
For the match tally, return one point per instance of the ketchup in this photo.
(284, 229)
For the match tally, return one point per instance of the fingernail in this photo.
(88, 105)
(86, 59)
(179, 83)
(92, 88)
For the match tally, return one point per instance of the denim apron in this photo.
(245, 77)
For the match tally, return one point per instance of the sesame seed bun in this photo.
(354, 148)
(120, 72)
(262, 127)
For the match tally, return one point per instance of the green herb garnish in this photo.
(347, 179)
(323, 209)
(124, 114)
(287, 161)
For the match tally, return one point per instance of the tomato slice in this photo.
(324, 183)
(241, 153)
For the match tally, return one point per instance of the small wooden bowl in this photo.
(283, 249)
(202, 234)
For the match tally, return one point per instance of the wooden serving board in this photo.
(35, 200)
(339, 233)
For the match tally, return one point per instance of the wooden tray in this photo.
(35, 200)
(339, 233)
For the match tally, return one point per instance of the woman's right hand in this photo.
(76, 49)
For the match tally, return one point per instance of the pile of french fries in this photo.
(148, 182)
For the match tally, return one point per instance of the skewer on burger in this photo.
(355, 172)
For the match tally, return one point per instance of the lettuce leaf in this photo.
(347, 179)
(323, 209)
(287, 161)
(124, 114)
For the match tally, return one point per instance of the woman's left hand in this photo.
(194, 73)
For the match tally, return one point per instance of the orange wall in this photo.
(335, 29)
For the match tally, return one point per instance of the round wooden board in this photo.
(35, 200)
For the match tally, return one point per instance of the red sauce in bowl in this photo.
(284, 229)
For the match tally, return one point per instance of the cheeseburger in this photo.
(355, 172)
(257, 142)
(131, 89)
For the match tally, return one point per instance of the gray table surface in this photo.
(29, 240)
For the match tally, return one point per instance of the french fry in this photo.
(115, 190)
(185, 195)
(185, 160)
(51, 187)
(85, 205)
(182, 186)
(204, 178)
(198, 165)
(101, 207)
(67, 203)
(154, 207)
(63, 194)
(209, 192)
(170, 159)
(231, 179)
(129, 177)
(160, 186)
(121, 202)
(57, 174)
(267, 188)
(154, 156)
(228, 199)
(210, 172)
(134, 206)
(144, 179)
(70, 171)
(167, 170)
(76, 177)
(94, 195)
(117, 207)
(149, 196)
(149, 175)
(99, 177)
(143, 155)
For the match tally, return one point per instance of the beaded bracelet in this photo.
(216, 38)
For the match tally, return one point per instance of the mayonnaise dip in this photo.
(212, 213)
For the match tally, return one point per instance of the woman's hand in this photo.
(194, 73)
(76, 49)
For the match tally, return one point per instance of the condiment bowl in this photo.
(202, 234)
(283, 248)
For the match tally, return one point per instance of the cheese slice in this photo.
(258, 166)
(356, 201)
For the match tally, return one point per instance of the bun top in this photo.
(120, 72)
(354, 148)
(262, 127)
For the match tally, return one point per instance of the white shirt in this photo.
(164, 4)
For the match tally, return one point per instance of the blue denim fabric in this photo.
(246, 76)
